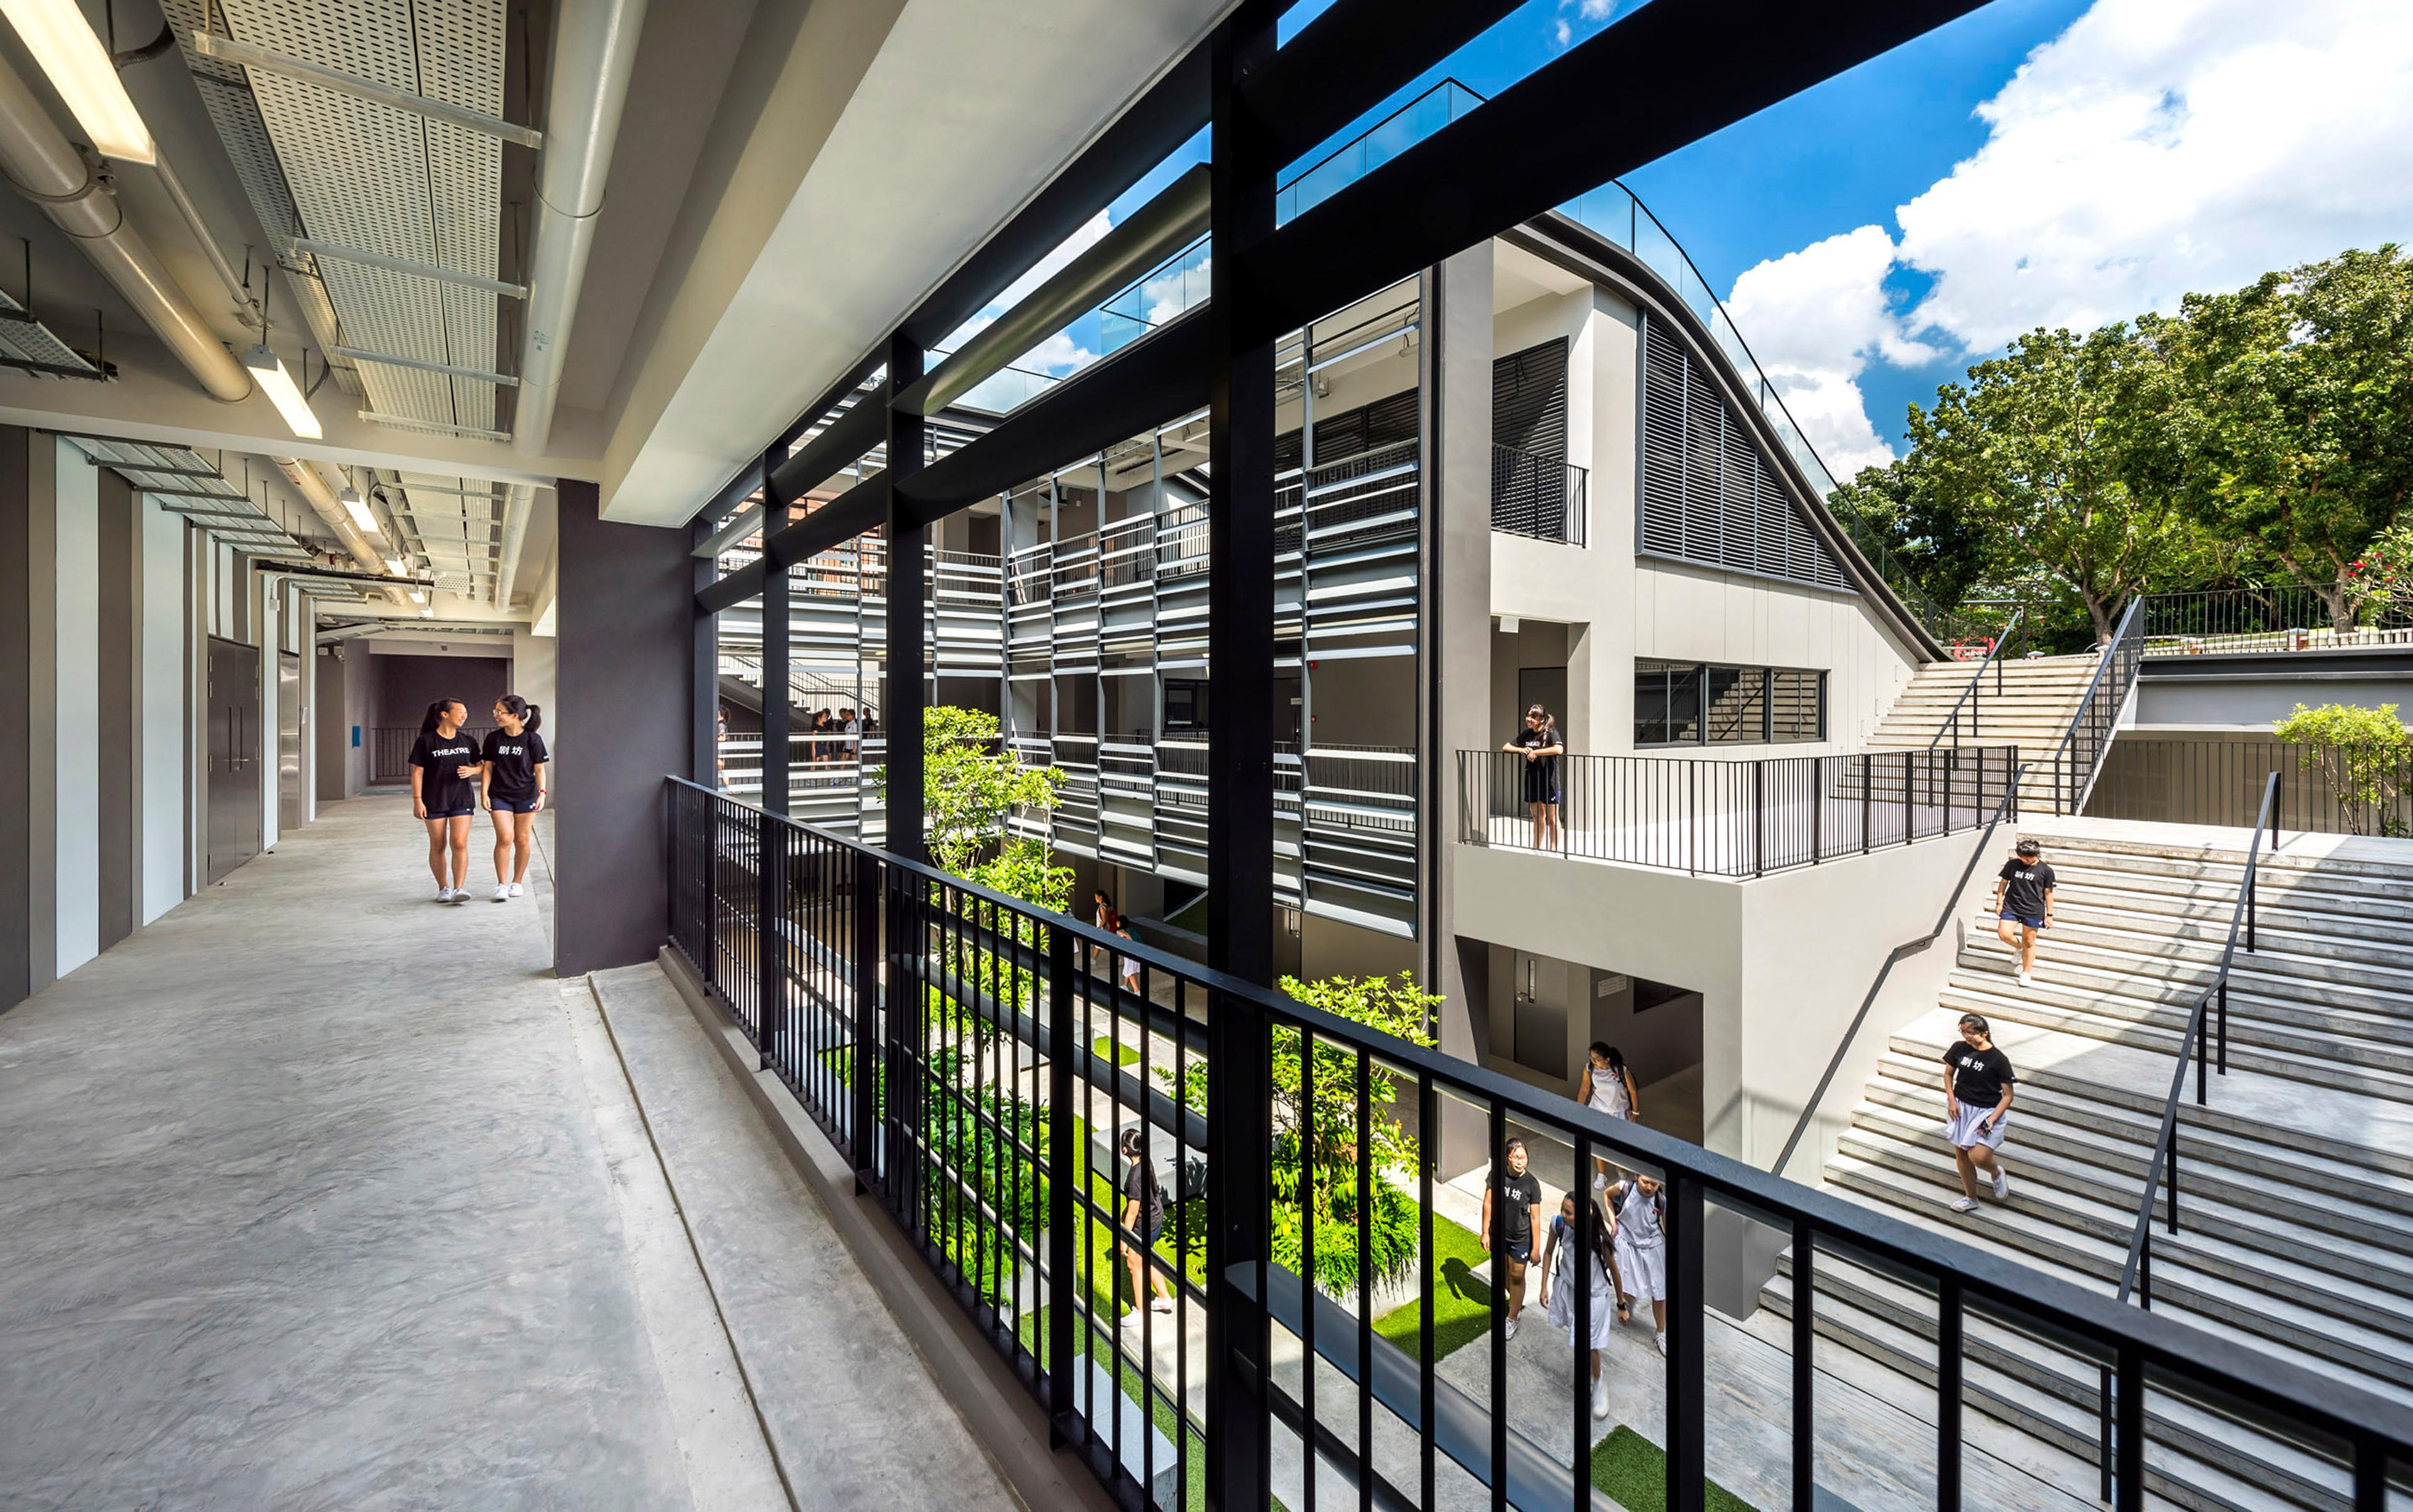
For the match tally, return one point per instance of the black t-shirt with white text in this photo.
(1517, 1195)
(1979, 1076)
(442, 789)
(2028, 881)
(515, 758)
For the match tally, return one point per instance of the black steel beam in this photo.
(1348, 60)
(847, 438)
(1656, 80)
(850, 380)
(1170, 113)
(1154, 379)
(909, 628)
(778, 696)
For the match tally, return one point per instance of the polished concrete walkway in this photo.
(319, 1194)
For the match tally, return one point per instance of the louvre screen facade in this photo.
(1708, 495)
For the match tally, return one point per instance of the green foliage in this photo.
(2361, 752)
(2283, 413)
(971, 780)
(2379, 583)
(1945, 553)
(1319, 1127)
(2027, 457)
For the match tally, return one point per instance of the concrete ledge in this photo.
(1005, 1419)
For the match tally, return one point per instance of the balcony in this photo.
(1537, 496)
(1013, 1053)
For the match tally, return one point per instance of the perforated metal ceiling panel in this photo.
(372, 176)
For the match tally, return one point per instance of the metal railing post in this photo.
(867, 896)
(1818, 809)
(1687, 1399)
(1867, 776)
(1063, 1139)
(770, 906)
(1759, 818)
(1693, 818)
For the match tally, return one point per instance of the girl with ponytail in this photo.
(444, 767)
(514, 761)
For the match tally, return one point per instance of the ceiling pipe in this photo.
(594, 49)
(47, 169)
(313, 488)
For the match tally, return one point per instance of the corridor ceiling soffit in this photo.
(324, 165)
(941, 141)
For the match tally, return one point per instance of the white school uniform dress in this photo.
(1641, 1246)
(1608, 1094)
(1562, 1291)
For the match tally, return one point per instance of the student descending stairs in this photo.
(2031, 709)
(2297, 1197)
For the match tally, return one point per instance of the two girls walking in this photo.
(453, 776)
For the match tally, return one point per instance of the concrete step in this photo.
(2214, 857)
(2282, 910)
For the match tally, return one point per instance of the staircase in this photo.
(2031, 711)
(2297, 1195)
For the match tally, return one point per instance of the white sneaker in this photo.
(444, 895)
(1963, 1205)
(515, 889)
(1662, 1344)
(1599, 1403)
(2002, 1185)
(1162, 1304)
(502, 892)
(1508, 1330)
(2026, 980)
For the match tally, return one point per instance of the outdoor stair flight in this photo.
(2032, 709)
(2297, 1181)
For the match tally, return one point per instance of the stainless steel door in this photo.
(289, 742)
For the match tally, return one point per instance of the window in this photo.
(1185, 705)
(1694, 704)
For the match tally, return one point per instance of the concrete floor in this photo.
(319, 1193)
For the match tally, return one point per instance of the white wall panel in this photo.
(76, 721)
(166, 732)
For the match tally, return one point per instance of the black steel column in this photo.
(778, 691)
(1240, 777)
(908, 573)
(704, 718)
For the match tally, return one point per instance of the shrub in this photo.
(2361, 752)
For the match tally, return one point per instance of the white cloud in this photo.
(1092, 231)
(1814, 319)
(2154, 148)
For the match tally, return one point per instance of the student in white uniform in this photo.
(1639, 1209)
(1559, 1261)
(1607, 1087)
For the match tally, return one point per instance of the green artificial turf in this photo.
(1633, 1470)
(1106, 1051)
(1462, 1304)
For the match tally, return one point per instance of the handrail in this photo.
(2136, 1271)
(1952, 720)
(2128, 633)
(2009, 805)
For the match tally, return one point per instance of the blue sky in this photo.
(2035, 162)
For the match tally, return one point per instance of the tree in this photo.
(2026, 456)
(2283, 413)
(1945, 553)
(1320, 1126)
(971, 780)
(2361, 752)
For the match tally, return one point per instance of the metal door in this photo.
(289, 742)
(234, 798)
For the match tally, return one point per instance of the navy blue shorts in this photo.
(514, 806)
(450, 813)
(2032, 921)
(1523, 1253)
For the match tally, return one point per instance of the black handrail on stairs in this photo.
(1991, 659)
(2009, 805)
(2075, 764)
(2137, 1274)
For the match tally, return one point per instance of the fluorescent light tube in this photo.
(398, 566)
(360, 513)
(80, 68)
(268, 371)
(418, 597)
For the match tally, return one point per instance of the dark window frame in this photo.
(1698, 679)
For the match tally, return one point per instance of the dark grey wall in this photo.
(16, 729)
(119, 819)
(406, 684)
(334, 740)
(627, 677)
(2190, 693)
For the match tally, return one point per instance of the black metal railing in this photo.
(1972, 700)
(977, 1071)
(2079, 756)
(390, 747)
(1537, 494)
(2284, 616)
(1732, 818)
(2207, 1023)
(2183, 781)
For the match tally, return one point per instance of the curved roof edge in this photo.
(1569, 244)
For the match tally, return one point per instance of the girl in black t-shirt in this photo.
(1143, 1214)
(444, 765)
(1541, 747)
(514, 762)
(1977, 1082)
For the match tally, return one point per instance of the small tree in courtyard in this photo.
(1320, 1127)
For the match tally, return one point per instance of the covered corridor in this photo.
(316, 1192)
